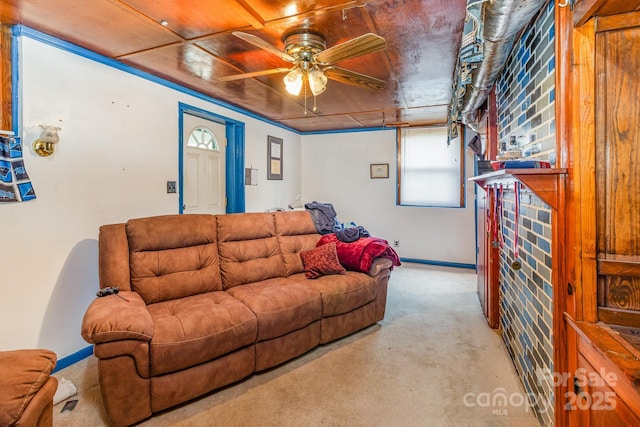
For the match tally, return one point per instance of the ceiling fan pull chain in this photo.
(305, 97)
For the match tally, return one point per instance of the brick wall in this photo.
(526, 111)
(526, 298)
(526, 91)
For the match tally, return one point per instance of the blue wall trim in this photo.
(430, 206)
(235, 171)
(21, 30)
(73, 358)
(440, 263)
(324, 132)
(15, 82)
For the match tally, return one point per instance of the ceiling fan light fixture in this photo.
(313, 62)
(293, 81)
(317, 81)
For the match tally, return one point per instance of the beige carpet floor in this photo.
(432, 361)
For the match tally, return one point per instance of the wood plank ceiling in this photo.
(196, 47)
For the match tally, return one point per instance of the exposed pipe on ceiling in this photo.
(504, 20)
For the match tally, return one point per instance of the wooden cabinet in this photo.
(597, 403)
(603, 390)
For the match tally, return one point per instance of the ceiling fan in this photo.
(313, 62)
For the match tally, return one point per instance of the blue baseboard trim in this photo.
(439, 263)
(73, 358)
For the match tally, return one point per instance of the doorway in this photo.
(217, 154)
(203, 166)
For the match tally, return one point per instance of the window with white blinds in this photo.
(430, 170)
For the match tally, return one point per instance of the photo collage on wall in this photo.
(15, 185)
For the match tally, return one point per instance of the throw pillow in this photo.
(321, 261)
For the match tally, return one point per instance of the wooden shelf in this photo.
(545, 182)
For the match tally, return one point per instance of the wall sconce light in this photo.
(44, 145)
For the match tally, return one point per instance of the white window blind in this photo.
(430, 170)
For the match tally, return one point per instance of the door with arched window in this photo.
(204, 166)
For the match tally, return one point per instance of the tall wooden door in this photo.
(618, 175)
(488, 257)
(488, 252)
(204, 145)
(482, 236)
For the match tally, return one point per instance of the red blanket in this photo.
(359, 255)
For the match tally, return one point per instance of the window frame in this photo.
(462, 199)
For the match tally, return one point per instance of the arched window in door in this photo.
(202, 137)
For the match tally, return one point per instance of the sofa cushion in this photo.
(281, 305)
(173, 256)
(170, 232)
(296, 233)
(249, 250)
(321, 261)
(192, 330)
(113, 257)
(344, 293)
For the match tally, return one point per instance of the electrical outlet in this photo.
(396, 243)
(171, 186)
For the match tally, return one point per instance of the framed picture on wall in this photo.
(274, 158)
(379, 170)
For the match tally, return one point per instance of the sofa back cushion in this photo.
(173, 256)
(296, 233)
(113, 257)
(249, 250)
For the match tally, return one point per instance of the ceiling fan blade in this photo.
(253, 74)
(362, 45)
(352, 78)
(257, 41)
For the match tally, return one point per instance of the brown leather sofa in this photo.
(210, 299)
(26, 389)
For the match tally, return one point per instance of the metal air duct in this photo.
(504, 20)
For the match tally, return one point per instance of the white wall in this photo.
(118, 147)
(335, 169)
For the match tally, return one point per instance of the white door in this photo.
(204, 144)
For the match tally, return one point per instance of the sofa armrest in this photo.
(40, 411)
(379, 265)
(23, 373)
(111, 318)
